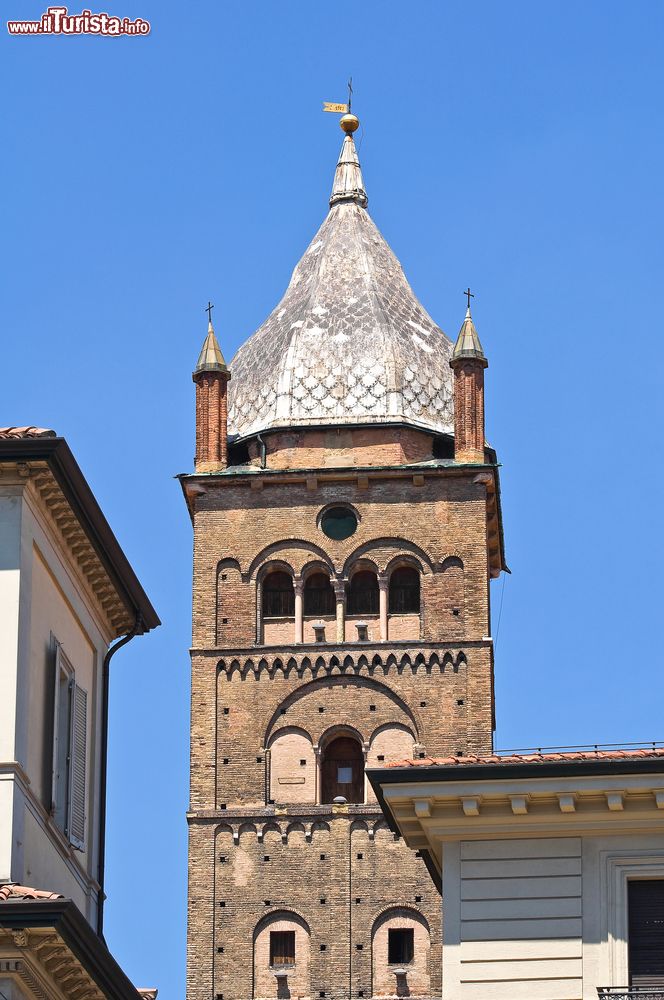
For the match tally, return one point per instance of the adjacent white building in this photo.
(551, 868)
(67, 593)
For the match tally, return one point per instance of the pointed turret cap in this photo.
(349, 343)
(348, 184)
(210, 359)
(468, 343)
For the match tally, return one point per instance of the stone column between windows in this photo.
(299, 615)
(340, 597)
(317, 793)
(383, 594)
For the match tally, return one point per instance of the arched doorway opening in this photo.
(342, 770)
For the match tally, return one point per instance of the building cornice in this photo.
(431, 805)
(48, 465)
(50, 947)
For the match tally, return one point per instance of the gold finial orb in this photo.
(349, 123)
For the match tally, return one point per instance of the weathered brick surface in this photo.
(264, 707)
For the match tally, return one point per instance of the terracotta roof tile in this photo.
(533, 758)
(26, 432)
(11, 891)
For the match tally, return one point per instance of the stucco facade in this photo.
(60, 609)
(537, 857)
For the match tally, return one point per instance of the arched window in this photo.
(405, 591)
(278, 595)
(318, 595)
(363, 594)
(342, 770)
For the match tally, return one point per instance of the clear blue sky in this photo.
(515, 146)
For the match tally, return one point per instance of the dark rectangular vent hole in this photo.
(360, 856)
(418, 899)
(323, 947)
(359, 947)
(423, 704)
(226, 711)
(372, 708)
(322, 857)
(321, 709)
(220, 950)
(259, 760)
(381, 756)
(303, 763)
(222, 858)
(266, 857)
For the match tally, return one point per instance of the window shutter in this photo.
(78, 768)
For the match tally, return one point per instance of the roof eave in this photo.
(89, 949)
(67, 473)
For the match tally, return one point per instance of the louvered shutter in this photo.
(646, 932)
(78, 768)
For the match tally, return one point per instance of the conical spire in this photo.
(210, 359)
(348, 184)
(468, 343)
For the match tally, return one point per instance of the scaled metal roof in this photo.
(349, 343)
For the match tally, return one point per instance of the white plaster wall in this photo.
(10, 579)
(10, 563)
(42, 596)
(512, 924)
(542, 917)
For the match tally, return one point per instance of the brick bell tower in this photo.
(346, 525)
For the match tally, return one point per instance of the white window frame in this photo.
(64, 803)
(618, 871)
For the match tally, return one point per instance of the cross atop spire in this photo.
(468, 342)
(210, 359)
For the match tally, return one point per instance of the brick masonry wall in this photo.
(259, 710)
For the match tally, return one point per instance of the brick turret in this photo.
(211, 376)
(468, 363)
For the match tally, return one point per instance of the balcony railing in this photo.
(631, 992)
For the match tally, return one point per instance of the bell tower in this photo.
(343, 547)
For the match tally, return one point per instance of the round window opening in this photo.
(339, 522)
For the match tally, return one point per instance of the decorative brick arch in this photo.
(417, 974)
(282, 919)
(401, 546)
(271, 551)
(347, 679)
